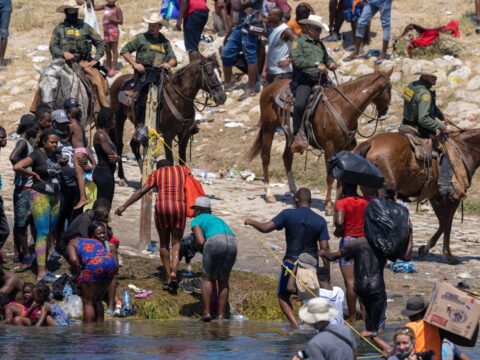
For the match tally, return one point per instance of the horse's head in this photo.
(49, 83)
(211, 79)
(382, 100)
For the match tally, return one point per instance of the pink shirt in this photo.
(194, 5)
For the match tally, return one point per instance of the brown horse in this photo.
(182, 88)
(391, 152)
(349, 103)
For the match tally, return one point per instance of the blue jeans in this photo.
(192, 29)
(5, 13)
(240, 41)
(369, 11)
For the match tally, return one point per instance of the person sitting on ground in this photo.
(194, 15)
(348, 220)
(278, 65)
(242, 39)
(152, 51)
(95, 266)
(305, 231)
(369, 282)
(22, 212)
(14, 309)
(368, 12)
(42, 313)
(302, 12)
(311, 64)
(11, 285)
(219, 254)
(333, 341)
(82, 153)
(71, 41)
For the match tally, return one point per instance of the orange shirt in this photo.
(427, 337)
(295, 26)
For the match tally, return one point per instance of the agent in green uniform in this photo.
(419, 108)
(311, 63)
(72, 40)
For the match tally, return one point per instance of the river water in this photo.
(153, 339)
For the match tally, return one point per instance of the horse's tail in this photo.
(362, 148)
(257, 146)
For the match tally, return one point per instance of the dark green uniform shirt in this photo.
(75, 38)
(420, 109)
(150, 51)
(307, 54)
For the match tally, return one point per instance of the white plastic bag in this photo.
(91, 18)
(73, 307)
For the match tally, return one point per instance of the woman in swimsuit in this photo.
(95, 266)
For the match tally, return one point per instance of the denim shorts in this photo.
(240, 41)
(219, 255)
(369, 11)
(343, 242)
(5, 13)
(284, 277)
(192, 29)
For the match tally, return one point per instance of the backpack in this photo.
(387, 228)
(193, 190)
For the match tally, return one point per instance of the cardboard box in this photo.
(453, 310)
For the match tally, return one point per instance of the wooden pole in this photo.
(147, 168)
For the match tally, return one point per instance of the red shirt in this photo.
(354, 209)
(193, 5)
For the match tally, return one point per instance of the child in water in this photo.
(42, 313)
(112, 18)
(13, 309)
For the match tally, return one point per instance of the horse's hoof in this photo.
(270, 199)
(123, 182)
(423, 250)
(329, 212)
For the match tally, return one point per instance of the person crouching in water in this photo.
(219, 255)
(95, 266)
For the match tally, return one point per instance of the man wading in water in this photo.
(305, 231)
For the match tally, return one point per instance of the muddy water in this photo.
(159, 340)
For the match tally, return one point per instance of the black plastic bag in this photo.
(387, 228)
(352, 168)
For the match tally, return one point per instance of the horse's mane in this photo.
(183, 69)
(356, 85)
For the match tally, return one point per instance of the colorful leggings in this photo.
(45, 210)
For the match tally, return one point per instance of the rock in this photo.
(363, 69)
(16, 90)
(396, 76)
(16, 105)
(31, 84)
(453, 61)
(474, 84)
(396, 98)
(467, 96)
(39, 59)
(254, 112)
(16, 81)
(42, 48)
(465, 124)
(343, 79)
(461, 110)
(463, 73)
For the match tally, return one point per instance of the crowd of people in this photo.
(53, 165)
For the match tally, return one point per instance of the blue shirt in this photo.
(303, 230)
(211, 225)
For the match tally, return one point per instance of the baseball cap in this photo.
(60, 117)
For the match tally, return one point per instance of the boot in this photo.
(300, 143)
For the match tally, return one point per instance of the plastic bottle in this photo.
(188, 272)
(204, 174)
(127, 301)
(118, 309)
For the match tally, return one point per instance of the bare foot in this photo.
(81, 203)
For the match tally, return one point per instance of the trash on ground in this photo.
(401, 266)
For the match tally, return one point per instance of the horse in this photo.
(333, 127)
(392, 153)
(181, 88)
(58, 82)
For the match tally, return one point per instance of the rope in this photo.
(155, 135)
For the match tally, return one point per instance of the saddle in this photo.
(423, 148)
(127, 94)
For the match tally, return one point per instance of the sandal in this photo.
(143, 294)
(173, 287)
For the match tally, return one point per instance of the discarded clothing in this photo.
(401, 266)
(429, 36)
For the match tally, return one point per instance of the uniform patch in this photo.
(294, 45)
(408, 93)
(157, 48)
(426, 98)
(73, 32)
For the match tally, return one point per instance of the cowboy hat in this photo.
(427, 70)
(154, 18)
(415, 305)
(315, 20)
(68, 4)
(317, 310)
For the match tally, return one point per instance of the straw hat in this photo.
(315, 20)
(317, 310)
(154, 18)
(427, 69)
(68, 4)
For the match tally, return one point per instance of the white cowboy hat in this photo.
(315, 20)
(427, 69)
(154, 18)
(68, 4)
(317, 310)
